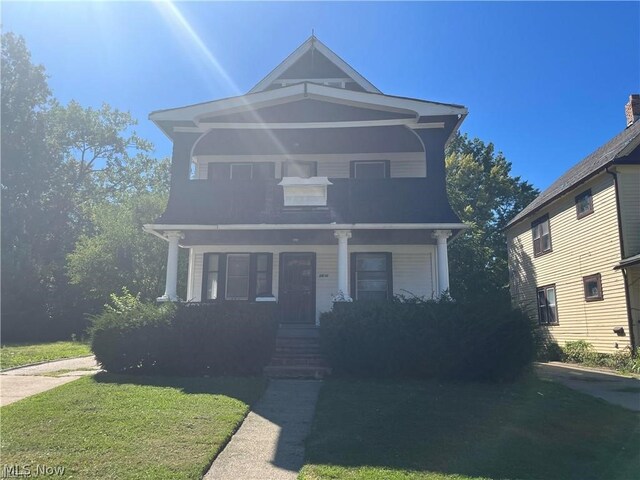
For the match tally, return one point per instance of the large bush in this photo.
(229, 338)
(428, 339)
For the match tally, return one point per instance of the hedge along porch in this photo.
(304, 278)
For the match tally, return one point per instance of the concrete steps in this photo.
(298, 354)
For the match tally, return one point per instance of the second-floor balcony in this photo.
(348, 201)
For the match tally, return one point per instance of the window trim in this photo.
(586, 193)
(555, 294)
(588, 278)
(353, 164)
(354, 264)
(534, 225)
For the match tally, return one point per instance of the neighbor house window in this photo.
(541, 236)
(370, 169)
(592, 288)
(299, 169)
(237, 284)
(210, 280)
(371, 276)
(547, 308)
(584, 204)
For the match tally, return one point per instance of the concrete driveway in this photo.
(23, 382)
(616, 389)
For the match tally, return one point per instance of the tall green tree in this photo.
(485, 195)
(28, 167)
(60, 164)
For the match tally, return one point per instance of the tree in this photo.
(485, 195)
(60, 164)
(120, 254)
(28, 167)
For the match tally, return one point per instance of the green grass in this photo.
(421, 430)
(15, 355)
(124, 427)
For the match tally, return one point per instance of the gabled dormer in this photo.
(314, 62)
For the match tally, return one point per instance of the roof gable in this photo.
(617, 148)
(314, 61)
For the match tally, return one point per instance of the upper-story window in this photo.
(240, 170)
(584, 204)
(300, 169)
(370, 169)
(541, 236)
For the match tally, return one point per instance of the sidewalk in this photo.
(270, 442)
(616, 389)
(23, 382)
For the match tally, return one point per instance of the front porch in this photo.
(307, 270)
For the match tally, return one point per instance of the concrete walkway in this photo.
(270, 442)
(616, 389)
(23, 382)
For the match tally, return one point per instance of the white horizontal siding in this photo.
(413, 268)
(580, 247)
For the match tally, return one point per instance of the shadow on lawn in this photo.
(529, 430)
(240, 388)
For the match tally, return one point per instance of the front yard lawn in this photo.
(15, 355)
(422, 430)
(126, 427)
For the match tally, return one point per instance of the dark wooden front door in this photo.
(297, 295)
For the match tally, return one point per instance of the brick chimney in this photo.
(632, 109)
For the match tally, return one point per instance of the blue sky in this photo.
(546, 82)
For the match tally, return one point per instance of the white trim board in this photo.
(151, 227)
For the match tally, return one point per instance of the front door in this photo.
(297, 295)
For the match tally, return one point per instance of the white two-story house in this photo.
(313, 187)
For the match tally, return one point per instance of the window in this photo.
(241, 171)
(370, 169)
(541, 236)
(592, 288)
(547, 308)
(584, 204)
(236, 276)
(299, 169)
(263, 274)
(371, 276)
(237, 285)
(210, 280)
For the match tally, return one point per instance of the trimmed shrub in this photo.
(230, 338)
(428, 339)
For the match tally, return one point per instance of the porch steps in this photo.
(298, 354)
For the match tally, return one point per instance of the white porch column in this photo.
(171, 285)
(443, 259)
(343, 237)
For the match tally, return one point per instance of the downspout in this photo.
(624, 271)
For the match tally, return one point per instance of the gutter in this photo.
(624, 271)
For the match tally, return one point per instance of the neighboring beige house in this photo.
(574, 252)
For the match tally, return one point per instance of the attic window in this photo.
(584, 204)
